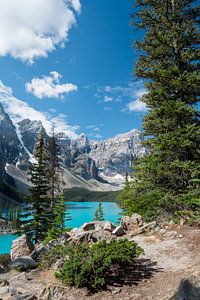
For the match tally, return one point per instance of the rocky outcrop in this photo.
(116, 155)
(189, 289)
(85, 167)
(92, 232)
(30, 131)
(10, 146)
(22, 246)
(131, 223)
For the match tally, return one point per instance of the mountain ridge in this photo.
(94, 165)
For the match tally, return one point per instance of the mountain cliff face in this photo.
(116, 155)
(9, 142)
(29, 131)
(85, 161)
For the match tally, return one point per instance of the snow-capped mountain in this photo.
(84, 161)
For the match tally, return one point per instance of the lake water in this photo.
(6, 242)
(80, 212)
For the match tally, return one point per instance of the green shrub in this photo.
(54, 254)
(4, 261)
(52, 234)
(92, 266)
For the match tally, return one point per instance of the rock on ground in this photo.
(23, 263)
(21, 246)
(189, 289)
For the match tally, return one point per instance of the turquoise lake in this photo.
(80, 212)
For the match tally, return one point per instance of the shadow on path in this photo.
(143, 269)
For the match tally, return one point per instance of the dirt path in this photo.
(162, 267)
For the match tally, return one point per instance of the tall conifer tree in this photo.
(54, 170)
(61, 215)
(99, 214)
(167, 179)
(37, 215)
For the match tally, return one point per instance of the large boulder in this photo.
(98, 225)
(131, 223)
(147, 229)
(92, 232)
(90, 236)
(22, 246)
(39, 249)
(23, 263)
(189, 289)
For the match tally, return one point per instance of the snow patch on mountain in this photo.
(30, 155)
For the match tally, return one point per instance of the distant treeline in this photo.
(83, 195)
(10, 190)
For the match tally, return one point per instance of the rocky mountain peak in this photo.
(27, 125)
(29, 132)
(106, 160)
(82, 143)
(5, 120)
(116, 155)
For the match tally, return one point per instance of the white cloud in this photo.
(76, 5)
(32, 28)
(137, 105)
(49, 86)
(93, 127)
(19, 110)
(131, 92)
(107, 108)
(96, 136)
(108, 99)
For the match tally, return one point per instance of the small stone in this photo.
(118, 231)
(3, 291)
(4, 283)
(88, 226)
(163, 231)
(58, 264)
(109, 226)
(115, 290)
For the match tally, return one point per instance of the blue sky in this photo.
(70, 64)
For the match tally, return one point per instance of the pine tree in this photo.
(124, 195)
(16, 222)
(61, 216)
(37, 216)
(166, 179)
(54, 170)
(99, 214)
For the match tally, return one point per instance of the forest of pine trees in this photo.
(167, 181)
(45, 209)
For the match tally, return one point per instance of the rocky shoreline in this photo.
(6, 228)
(167, 260)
